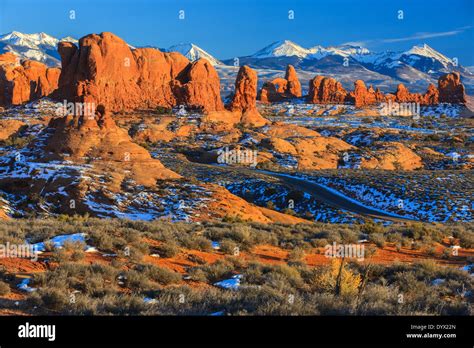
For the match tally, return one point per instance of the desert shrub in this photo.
(160, 275)
(466, 239)
(227, 246)
(198, 275)
(416, 230)
(216, 271)
(77, 255)
(4, 288)
(378, 300)
(51, 298)
(431, 251)
(197, 243)
(327, 279)
(370, 227)
(319, 243)
(168, 250)
(446, 253)
(378, 239)
(136, 281)
(61, 255)
(296, 255)
(349, 236)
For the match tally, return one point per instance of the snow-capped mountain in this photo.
(193, 52)
(417, 66)
(288, 48)
(38, 46)
(284, 48)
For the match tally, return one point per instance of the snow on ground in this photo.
(231, 283)
(24, 285)
(413, 205)
(261, 193)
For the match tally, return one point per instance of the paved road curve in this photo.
(319, 192)
(332, 198)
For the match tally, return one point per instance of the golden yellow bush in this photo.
(327, 280)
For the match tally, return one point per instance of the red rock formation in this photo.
(281, 88)
(269, 92)
(245, 96)
(99, 140)
(431, 96)
(198, 86)
(326, 90)
(363, 96)
(106, 71)
(403, 95)
(451, 90)
(379, 96)
(25, 81)
(392, 156)
(293, 87)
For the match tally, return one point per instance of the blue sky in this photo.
(229, 28)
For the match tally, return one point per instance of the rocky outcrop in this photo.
(293, 87)
(24, 81)
(10, 127)
(245, 95)
(198, 87)
(99, 139)
(451, 90)
(431, 96)
(308, 148)
(243, 107)
(326, 90)
(105, 70)
(403, 95)
(392, 156)
(281, 88)
(271, 91)
(363, 96)
(288, 130)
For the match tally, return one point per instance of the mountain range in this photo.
(416, 67)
